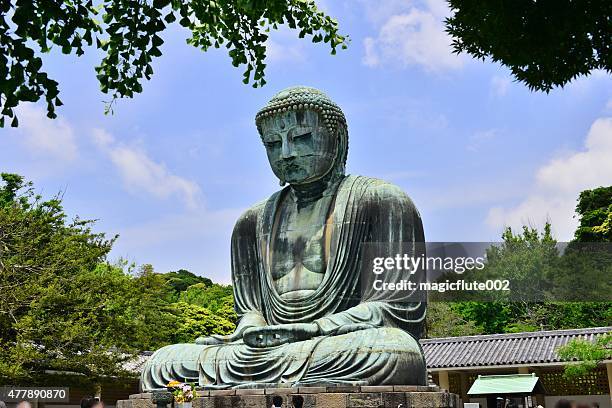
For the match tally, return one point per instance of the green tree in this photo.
(526, 259)
(61, 306)
(595, 218)
(549, 290)
(588, 355)
(559, 315)
(129, 34)
(180, 280)
(544, 43)
(488, 317)
(444, 321)
(193, 321)
(212, 297)
(595, 212)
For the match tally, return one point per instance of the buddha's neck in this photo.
(310, 192)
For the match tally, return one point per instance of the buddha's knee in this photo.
(406, 349)
(398, 355)
(390, 339)
(175, 362)
(379, 356)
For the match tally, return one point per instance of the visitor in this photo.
(92, 402)
(24, 404)
(563, 403)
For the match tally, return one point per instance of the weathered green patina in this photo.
(303, 318)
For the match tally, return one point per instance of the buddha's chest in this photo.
(298, 246)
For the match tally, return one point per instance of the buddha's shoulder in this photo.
(376, 189)
(250, 215)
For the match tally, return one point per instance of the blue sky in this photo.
(173, 168)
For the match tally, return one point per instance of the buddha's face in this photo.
(300, 149)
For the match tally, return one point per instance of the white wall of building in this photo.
(481, 401)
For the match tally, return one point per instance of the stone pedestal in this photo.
(398, 396)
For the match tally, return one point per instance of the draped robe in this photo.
(365, 337)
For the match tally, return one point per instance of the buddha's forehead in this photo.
(291, 118)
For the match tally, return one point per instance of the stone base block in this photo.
(312, 397)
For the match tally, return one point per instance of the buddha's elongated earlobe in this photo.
(281, 182)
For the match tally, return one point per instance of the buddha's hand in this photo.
(271, 336)
(216, 339)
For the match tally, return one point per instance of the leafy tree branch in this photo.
(129, 32)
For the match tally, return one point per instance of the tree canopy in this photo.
(544, 43)
(129, 34)
(182, 279)
(62, 305)
(550, 289)
(595, 211)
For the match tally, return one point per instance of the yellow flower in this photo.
(173, 383)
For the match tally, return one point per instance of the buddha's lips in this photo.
(289, 167)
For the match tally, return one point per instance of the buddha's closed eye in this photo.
(302, 136)
(272, 144)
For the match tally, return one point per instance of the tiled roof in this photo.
(503, 349)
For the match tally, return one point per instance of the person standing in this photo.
(92, 402)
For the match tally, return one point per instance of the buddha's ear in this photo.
(342, 145)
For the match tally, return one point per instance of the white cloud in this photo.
(140, 173)
(558, 183)
(378, 11)
(499, 85)
(415, 36)
(278, 52)
(284, 46)
(44, 136)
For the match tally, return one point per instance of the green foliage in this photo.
(212, 296)
(595, 210)
(540, 277)
(544, 43)
(193, 321)
(527, 259)
(200, 307)
(587, 354)
(571, 315)
(444, 321)
(203, 309)
(61, 305)
(490, 317)
(129, 34)
(180, 280)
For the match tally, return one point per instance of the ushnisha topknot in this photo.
(301, 98)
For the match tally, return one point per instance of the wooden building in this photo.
(456, 362)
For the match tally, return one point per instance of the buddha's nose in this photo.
(287, 151)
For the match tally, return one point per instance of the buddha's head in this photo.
(305, 135)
